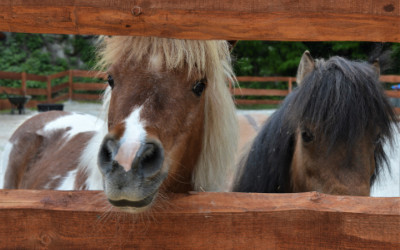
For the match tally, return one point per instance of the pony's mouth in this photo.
(133, 204)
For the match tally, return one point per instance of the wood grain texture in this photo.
(390, 78)
(91, 74)
(11, 91)
(36, 91)
(59, 87)
(89, 86)
(393, 93)
(283, 20)
(10, 75)
(59, 74)
(33, 77)
(60, 98)
(265, 78)
(5, 104)
(85, 97)
(81, 219)
(256, 102)
(261, 92)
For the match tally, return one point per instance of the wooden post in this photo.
(290, 85)
(70, 83)
(49, 100)
(23, 83)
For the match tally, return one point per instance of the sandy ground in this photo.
(249, 120)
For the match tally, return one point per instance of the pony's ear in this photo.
(306, 65)
(376, 66)
(232, 44)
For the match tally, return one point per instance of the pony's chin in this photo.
(134, 206)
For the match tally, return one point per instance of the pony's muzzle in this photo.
(137, 186)
(144, 159)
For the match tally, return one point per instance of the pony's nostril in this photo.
(149, 159)
(106, 154)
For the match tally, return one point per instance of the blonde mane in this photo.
(203, 58)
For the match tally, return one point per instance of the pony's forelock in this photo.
(210, 59)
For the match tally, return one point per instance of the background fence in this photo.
(62, 86)
(67, 85)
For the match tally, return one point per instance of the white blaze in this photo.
(134, 135)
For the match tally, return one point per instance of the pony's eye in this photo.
(110, 81)
(307, 136)
(199, 87)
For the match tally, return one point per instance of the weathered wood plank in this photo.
(11, 90)
(92, 74)
(264, 78)
(89, 86)
(287, 20)
(60, 98)
(32, 219)
(253, 102)
(261, 92)
(59, 74)
(85, 97)
(59, 87)
(36, 91)
(390, 78)
(10, 75)
(393, 93)
(33, 77)
(5, 104)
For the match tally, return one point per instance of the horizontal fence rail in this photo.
(279, 20)
(83, 220)
(243, 92)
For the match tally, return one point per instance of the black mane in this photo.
(343, 99)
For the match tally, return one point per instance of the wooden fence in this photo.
(82, 220)
(66, 90)
(74, 219)
(244, 92)
(56, 93)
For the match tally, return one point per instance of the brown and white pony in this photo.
(171, 127)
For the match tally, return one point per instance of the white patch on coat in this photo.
(388, 182)
(80, 123)
(5, 157)
(68, 181)
(77, 123)
(134, 135)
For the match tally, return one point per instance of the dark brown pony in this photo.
(171, 127)
(327, 136)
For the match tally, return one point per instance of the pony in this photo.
(170, 126)
(327, 135)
